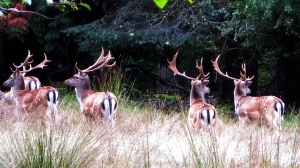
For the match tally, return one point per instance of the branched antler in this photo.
(40, 65)
(27, 62)
(172, 66)
(200, 68)
(102, 62)
(243, 75)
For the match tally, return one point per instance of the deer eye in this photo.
(76, 77)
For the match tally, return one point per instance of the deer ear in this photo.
(236, 82)
(18, 73)
(205, 82)
(192, 82)
(248, 82)
(82, 74)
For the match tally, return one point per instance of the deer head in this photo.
(268, 108)
(81, 79)
(201, 114)
(94, 105)
(17, 77)
(241, 84)
(198, 84)
(43, 100)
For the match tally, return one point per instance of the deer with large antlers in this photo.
(31, 82)
(202, 115)
(42, 100)
(100, 106)
(262, 108)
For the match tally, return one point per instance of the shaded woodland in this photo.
(141, 37)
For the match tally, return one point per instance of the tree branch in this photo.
(25, 11)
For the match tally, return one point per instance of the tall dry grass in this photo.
(142, 137)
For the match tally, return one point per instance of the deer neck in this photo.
(82, 91)
(19, 85)
(196, 96)
(238, 94)
(18, 88)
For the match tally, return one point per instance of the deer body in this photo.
(262, 108)
(202, 115)
(30, 82)
(97, 105)
(100, 106)
(42, 100)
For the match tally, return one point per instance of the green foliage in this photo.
(167, 97)
(160, 3)
(264, 34)
(53, 35)
(180, 24)
(86, 6)
(256, 19)
(111, 80)
(292, 117)
(46, 149)
(5, 3)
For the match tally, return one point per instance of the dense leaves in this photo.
(268, 32)
(143, 34)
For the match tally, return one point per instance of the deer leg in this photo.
(242, 121)
(272, 120)
(242, 118)
(20, 112)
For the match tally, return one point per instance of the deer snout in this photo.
(207, 90)
(67, 82)
(7, 84)
(248, 91)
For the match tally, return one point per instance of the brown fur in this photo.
(99, 106)
(28, 101)
(263, 108)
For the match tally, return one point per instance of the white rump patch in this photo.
(52, 104)
(38, 84)
(33, 85)
(106, 110)
(279, 108)
(208, 115)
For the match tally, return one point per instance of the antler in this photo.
(40, 65)
(26, 62)
(102, 60)
(243, 75)
(215, 64)
(172, 66)
(200, 68)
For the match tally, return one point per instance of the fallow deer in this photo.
(31, 82)
(42, 100)
(100, 106)
(202, 115)
(262, 108)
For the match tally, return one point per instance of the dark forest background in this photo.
(141, 37)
